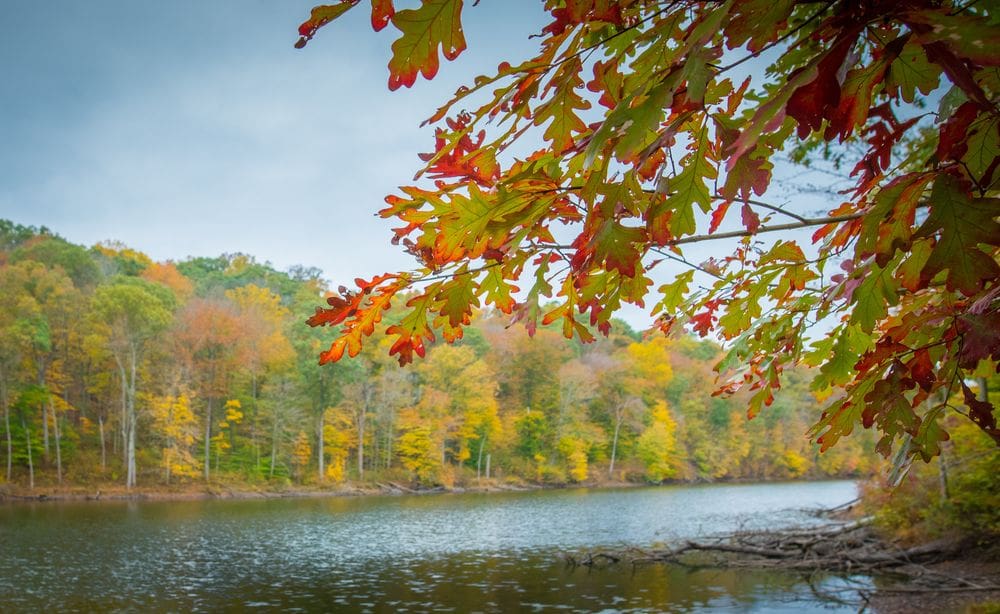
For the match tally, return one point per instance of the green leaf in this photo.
(911, 72)
(688, 188)
(498, 291)
(436, 24)
(961, 224)
(984, 150)
(873, 298)
(615, 246)
(562, 108)
(457, 297)
(674, 293)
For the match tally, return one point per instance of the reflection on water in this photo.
(475, 552)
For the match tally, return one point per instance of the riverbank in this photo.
(10, 493)
(192, 492)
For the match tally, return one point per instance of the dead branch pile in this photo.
(850, 548)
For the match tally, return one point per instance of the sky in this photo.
(191, 128)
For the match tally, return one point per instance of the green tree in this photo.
(134, 313)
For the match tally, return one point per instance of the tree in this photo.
(657, 446)
(40, 301)
(206, 337)
(134, 312)
(267, 348)
(651, 137)
(174, 423)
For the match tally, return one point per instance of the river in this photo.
(496, 552)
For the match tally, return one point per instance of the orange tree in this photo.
(646, 140)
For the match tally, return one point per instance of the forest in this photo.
(118, 370)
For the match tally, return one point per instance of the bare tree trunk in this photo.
(55, 433)
(31, 464)
(253, 428)
(479, 461)
(130, 478)
(6, 424)
(388, 444)
(124, 420)
(614, 442)
(488, 457)
(361, 447)
(45, 414)
(104, 447)
(208, 438)
(361, 419)
(274, 445)
(322, 453)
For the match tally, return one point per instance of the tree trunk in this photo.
(45, 414)
(614, 443)
(361, 419)
(124, 419)
(479, 461)
(253, 434)
(130, 477)
(274, 445)
(55, 433)
(208, 438)
(488, 457)
(388, 444)
(31, 464)
(104, 447)
(322, 469)
(6, 424)
(361, 447)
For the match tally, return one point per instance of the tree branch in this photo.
(804, 223)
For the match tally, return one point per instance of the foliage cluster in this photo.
(165, 373)
(957, 496)
(638, 127)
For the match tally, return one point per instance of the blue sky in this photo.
(195, 128)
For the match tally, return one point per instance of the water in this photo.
(469, 552)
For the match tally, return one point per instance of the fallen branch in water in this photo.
(846, 547)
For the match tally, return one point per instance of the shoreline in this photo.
(9, 495)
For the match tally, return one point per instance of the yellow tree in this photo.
(416, 447)
(174, 425)
(576, 436)
(657, 445)
(459, 402)
(301, 454)
(265, 346)
(225, 439)
(337, 443)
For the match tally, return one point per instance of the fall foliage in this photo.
(200, 372)
(645, 126)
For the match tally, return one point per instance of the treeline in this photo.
(115, 368)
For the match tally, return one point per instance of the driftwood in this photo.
(849, 547)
